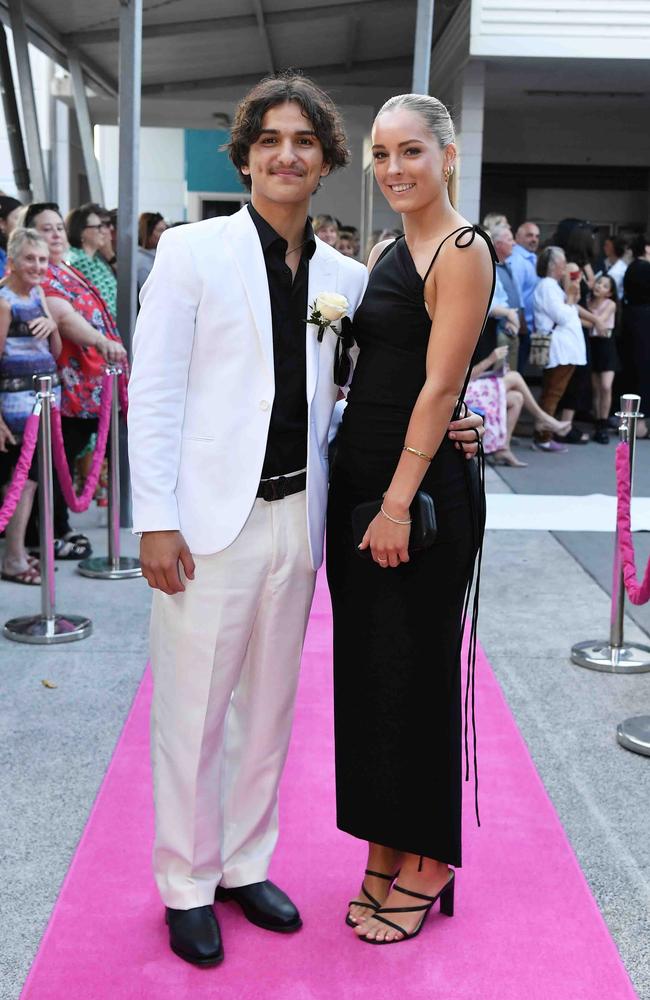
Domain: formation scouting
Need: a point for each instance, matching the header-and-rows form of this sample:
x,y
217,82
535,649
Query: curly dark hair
x,y
283,88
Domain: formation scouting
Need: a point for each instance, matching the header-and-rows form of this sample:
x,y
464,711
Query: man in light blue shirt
x,y
524,267
503,244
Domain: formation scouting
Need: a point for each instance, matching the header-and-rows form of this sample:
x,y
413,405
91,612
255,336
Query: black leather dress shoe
x,y
264,905
194,935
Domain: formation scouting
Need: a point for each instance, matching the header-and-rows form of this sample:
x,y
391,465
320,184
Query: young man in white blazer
x,y
231,397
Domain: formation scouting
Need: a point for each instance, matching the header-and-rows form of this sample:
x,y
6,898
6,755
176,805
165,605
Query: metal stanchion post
x,y
617,656
48,627
634,734
115,566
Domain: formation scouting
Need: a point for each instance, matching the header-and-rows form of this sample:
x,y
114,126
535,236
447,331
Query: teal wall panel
x,y
206,167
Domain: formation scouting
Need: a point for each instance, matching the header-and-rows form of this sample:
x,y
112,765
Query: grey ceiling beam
x,y
48,40
85,127
12,123
27,100
243,79
264,35
235,22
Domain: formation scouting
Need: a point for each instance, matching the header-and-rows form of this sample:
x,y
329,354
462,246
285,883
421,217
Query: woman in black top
x,y
636,326
397,618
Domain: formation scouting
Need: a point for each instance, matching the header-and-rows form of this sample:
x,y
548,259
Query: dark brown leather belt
x,y
283,486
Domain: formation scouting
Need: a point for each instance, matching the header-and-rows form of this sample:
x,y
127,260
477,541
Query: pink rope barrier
x,y
639,593
77,504
19,478
124,395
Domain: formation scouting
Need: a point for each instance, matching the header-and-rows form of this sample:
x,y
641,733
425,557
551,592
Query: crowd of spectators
x,y
58,299
585,309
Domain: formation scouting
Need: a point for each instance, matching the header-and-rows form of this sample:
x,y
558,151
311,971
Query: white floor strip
x,y
528,512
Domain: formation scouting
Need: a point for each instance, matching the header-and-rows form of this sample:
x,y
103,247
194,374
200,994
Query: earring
x,y
447,172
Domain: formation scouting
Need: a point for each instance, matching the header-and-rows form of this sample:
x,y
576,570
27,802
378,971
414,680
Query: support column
x,y
12,121
26,84
130,83
422,49
471,101
85,127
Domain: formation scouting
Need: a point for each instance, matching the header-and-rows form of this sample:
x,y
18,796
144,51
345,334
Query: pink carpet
x,y
526,925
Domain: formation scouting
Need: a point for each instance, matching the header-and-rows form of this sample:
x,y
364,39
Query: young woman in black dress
x,y
397,619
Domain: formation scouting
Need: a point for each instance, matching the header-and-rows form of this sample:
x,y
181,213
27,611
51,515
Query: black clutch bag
x,y
423,523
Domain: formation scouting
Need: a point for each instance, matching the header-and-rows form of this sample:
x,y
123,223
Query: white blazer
x,y
202,383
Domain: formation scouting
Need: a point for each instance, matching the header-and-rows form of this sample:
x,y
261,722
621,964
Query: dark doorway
x,y
214,209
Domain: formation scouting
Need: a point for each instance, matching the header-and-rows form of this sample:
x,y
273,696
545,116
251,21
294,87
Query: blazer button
x,y
264,404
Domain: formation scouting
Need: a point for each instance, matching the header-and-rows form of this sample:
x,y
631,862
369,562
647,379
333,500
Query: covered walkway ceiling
x,y
198,56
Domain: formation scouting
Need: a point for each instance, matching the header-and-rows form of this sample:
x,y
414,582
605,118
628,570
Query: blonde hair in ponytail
x,y
438,121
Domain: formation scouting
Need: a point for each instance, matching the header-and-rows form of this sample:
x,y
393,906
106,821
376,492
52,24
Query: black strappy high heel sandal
x,y
373,903
446,897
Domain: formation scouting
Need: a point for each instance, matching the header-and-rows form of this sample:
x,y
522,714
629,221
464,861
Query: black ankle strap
x,y
421,895
388,878
416,895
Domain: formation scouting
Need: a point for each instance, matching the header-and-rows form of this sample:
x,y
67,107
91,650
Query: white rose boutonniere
x,y
329,307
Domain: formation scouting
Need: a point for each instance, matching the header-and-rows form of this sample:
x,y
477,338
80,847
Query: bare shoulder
x,y
465,259
377,251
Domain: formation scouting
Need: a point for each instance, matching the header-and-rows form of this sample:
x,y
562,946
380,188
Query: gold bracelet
x,y
393,519
414,451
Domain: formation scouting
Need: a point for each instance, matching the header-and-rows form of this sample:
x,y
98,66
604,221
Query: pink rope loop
x,y
77,504
124,394
639,593
19,478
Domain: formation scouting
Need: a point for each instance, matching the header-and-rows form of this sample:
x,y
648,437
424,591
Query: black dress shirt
x,y
286,446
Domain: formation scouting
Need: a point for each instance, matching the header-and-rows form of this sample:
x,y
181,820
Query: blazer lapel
x,y
245,247
322,278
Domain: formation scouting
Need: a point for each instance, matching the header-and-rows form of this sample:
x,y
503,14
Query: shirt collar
x,y
268,236
523,252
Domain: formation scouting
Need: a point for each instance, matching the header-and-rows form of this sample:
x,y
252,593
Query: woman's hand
x,y
600,327
111,350
499,354
572,290
388,542
42,327
6,437
512,322
464,432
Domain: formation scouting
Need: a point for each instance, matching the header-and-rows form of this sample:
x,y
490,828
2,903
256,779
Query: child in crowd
x,y
29,345
326,228
602,303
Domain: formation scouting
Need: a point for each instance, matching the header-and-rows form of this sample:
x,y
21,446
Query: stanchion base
x,y
102,568
634,734
48,631
595,654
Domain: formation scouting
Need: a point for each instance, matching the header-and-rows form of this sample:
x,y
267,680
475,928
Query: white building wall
x,y
471,102
162,169
572,29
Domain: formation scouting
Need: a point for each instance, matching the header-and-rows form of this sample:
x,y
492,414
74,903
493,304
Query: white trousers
x,y
225,656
